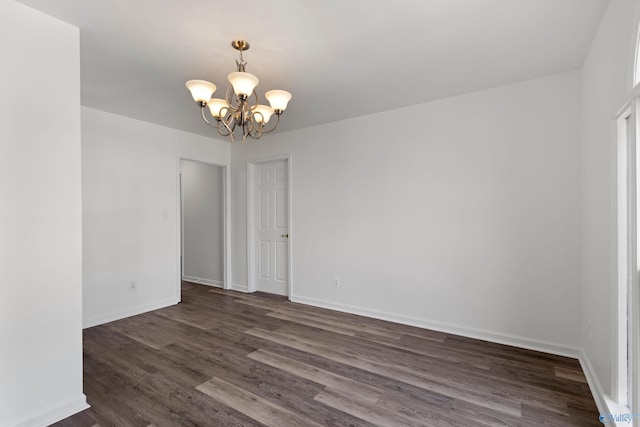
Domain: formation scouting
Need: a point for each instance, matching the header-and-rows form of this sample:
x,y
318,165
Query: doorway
x,y
202,223
269,226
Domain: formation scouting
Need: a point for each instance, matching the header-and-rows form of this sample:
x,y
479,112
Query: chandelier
x,y
236,114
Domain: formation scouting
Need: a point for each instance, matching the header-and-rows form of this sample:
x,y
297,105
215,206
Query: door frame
x,y
226,245
626,378
251,221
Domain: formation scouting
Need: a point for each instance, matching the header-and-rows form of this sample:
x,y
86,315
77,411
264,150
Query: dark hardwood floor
x,y
222,358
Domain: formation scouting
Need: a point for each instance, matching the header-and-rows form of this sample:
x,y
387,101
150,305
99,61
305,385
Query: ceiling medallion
x,y
236,114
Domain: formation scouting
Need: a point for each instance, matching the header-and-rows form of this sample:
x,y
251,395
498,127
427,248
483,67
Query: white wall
x,y
605,86
461,214
40,219
203,222
130,212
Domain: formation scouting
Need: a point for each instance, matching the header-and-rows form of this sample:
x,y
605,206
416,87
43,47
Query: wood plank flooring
x,y
222,358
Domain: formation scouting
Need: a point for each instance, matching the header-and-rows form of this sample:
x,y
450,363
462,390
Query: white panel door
x,y
272,246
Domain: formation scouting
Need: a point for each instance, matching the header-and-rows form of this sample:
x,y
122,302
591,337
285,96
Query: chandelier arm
x,y
227,98
254,131
255,94
221,128
274,126
217,125
226,126
231,122
255,124
257,135
204,117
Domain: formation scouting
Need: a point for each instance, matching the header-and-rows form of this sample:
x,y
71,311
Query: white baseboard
x,y
606,405
52,414
594,384
201,281
128,312
496,337
239,288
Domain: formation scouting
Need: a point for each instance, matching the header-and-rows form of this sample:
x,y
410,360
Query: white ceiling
x,y
339,58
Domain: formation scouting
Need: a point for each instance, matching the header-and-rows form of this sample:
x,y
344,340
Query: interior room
x,y
454,173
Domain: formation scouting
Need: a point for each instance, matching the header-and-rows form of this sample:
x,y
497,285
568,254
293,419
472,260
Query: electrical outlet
x,y
336,281
133,285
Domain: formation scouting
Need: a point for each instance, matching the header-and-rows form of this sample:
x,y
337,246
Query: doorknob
x,y
285,235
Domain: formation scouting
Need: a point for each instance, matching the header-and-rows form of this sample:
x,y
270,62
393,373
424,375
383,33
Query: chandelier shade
x,y
201,90
218,107
235,115
243,83
278,99
262,113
